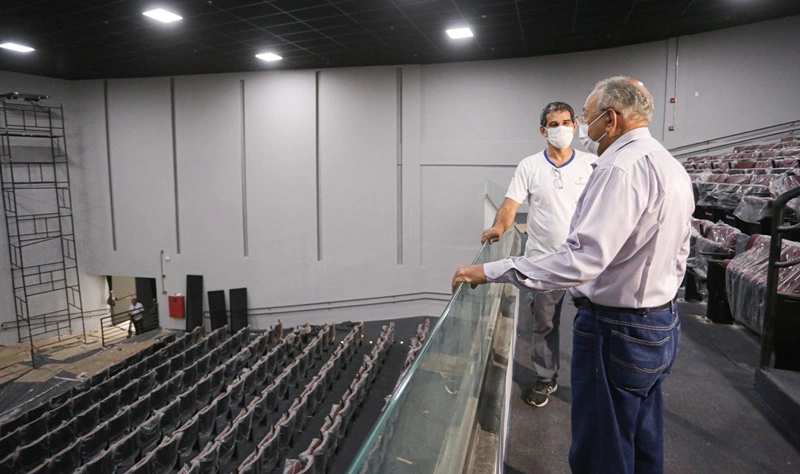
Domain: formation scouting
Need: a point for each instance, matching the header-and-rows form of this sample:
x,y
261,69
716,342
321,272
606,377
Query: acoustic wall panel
x,y
216,308
194,301
238,309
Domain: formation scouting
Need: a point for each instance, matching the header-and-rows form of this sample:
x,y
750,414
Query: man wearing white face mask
x,y
551,181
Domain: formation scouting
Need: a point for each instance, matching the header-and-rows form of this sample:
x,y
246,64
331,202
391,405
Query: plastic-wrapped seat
x,y
144,466
204,390
227,445
237,397
33,430
57,416
98,378
94,441
190,375
189,356
103,463
244,430
87,420
206,423
249,380
139,410
202,365
159,396
252,464
108,407
259,408
103,390
165,456
148,381
231,369
81,402
121,379
176,363
9,443
163,372
189,437
208,458
31,455
286,428
148,434
188,405
175,385
66,460
223,402
129,393
268,450
119,424
171,416
217,381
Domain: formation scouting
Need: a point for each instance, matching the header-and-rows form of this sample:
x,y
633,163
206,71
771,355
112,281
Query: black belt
x,y
584,303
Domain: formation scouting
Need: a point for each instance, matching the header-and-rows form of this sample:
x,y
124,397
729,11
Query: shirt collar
x,y
635,134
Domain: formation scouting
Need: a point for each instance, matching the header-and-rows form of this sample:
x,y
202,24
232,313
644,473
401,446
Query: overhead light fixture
x,y
268,57
162,15
458,33
17,47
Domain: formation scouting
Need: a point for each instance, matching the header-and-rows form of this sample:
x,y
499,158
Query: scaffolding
x,y
34,172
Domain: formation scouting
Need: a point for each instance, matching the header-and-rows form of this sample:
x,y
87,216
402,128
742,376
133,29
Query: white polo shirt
x,y
552,194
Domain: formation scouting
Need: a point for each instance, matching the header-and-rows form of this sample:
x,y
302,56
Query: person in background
x,y
624,261
136,312
551,182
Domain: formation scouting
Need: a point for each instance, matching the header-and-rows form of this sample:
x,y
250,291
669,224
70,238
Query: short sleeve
x,y
520,183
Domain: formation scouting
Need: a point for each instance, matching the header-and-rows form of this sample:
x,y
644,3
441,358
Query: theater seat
x,y
165,456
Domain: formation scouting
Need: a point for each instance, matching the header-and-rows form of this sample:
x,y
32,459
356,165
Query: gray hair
x,y
626,96
555,107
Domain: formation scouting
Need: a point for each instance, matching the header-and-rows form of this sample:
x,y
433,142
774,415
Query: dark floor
x,y
714,422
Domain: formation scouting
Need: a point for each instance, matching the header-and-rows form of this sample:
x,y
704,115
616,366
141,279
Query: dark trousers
x,y
138,325
619,361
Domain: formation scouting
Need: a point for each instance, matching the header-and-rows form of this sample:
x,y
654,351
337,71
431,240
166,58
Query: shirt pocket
x,y
638,358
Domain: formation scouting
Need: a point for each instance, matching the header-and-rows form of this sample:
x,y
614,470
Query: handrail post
x,y
775,244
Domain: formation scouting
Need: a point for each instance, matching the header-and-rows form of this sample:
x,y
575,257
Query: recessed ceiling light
x,y
17,47
459,33
268,57
162,15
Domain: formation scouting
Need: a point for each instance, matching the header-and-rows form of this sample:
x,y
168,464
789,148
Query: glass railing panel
x,y
428,422
495,193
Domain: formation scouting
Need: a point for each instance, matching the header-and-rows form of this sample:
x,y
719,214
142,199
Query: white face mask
x,y
560,137
586,141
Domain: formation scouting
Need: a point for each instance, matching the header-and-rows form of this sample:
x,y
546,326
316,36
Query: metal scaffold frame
x,y
38,215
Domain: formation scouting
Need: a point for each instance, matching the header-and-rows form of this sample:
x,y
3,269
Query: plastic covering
x,y
202,365
103,463
141,409
188,404
172,416
148,381
81,402
31,455
204,390
217,380
175,385
227,445
176,363
66,460
268,451
109,406
244,429
189,375
753,209
719,238
119,424
94,442
163,372
746,280
189,436
149,433
223,402
87,420
783,184
144,466
206,422
252,465
165,457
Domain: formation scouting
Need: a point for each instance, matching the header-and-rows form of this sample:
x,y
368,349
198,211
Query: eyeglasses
x,y
557,181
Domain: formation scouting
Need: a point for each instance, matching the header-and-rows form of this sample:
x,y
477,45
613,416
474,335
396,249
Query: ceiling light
x,y
162,15
17,47
459,33
268,57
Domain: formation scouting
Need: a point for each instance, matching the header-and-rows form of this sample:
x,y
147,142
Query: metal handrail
x,y
775,246
768,132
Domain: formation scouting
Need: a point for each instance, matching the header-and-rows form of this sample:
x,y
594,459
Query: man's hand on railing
x,y
471,274
492,234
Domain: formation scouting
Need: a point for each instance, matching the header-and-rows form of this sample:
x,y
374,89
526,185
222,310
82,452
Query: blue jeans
x,y
619,361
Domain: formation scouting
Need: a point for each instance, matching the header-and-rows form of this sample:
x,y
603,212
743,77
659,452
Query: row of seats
x,y
257,420
172,450
787,147
74,416
730,268
153,403
315,459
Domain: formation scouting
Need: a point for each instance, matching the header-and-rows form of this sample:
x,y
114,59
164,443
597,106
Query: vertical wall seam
x,y
244,173
318,178
399,166
108,159
175,164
